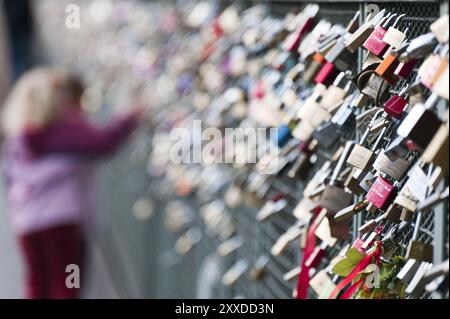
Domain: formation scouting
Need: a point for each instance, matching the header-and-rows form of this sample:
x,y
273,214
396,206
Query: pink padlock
x,y
327,74
380,194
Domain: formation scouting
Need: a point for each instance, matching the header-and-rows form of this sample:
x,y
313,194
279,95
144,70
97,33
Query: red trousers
x,y
47,254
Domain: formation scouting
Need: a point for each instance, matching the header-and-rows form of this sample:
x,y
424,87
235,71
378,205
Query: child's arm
x,y
82,138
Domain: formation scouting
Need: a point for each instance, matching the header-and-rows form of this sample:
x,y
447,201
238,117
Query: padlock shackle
x,y
379,138
339,79
403,90
377,18
387,23
383,20
342,159
352,22
394,25
372,120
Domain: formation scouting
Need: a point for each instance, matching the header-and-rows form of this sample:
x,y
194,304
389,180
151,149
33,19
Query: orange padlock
x,y
387,68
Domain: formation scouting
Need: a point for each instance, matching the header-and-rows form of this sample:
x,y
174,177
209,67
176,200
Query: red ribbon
x,y
348,294
354,273
303,277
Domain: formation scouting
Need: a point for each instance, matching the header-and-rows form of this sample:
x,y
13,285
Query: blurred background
x,y
153,239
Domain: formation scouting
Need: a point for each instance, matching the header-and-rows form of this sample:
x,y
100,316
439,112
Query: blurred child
x,y
48,151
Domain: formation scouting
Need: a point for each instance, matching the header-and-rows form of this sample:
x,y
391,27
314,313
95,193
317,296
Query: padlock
x,y
361,157
344,118
328,43
327,134
436,278
387,68
414,190
416,249
306,24
381,193
404,69
286,238
303,131
393,213
312,40
375,43
407,215
305,150
313,68
393,36
339,230
341,57
334,197
335,94
353,180
367,180
371,224
396,149
322,284
396,104
417,283
348,212
327,74
437,151
357,38
440,29
312,113
293,74
236,271
370,61
421,123
352,26
433,66
375,87
393,168
283,135
419,47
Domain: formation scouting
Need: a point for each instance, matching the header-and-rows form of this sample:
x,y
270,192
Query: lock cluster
x,y
358,167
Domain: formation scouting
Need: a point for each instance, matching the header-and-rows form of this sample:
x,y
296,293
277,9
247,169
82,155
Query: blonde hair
x,y
33,101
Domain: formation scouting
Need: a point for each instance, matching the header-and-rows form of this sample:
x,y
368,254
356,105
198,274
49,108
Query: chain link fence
x,y
149,261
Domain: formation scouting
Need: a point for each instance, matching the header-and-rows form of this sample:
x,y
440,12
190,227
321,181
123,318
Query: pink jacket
x,y
50,174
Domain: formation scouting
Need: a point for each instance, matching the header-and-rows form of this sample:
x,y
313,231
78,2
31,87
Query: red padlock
x,y
396,104
404,69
